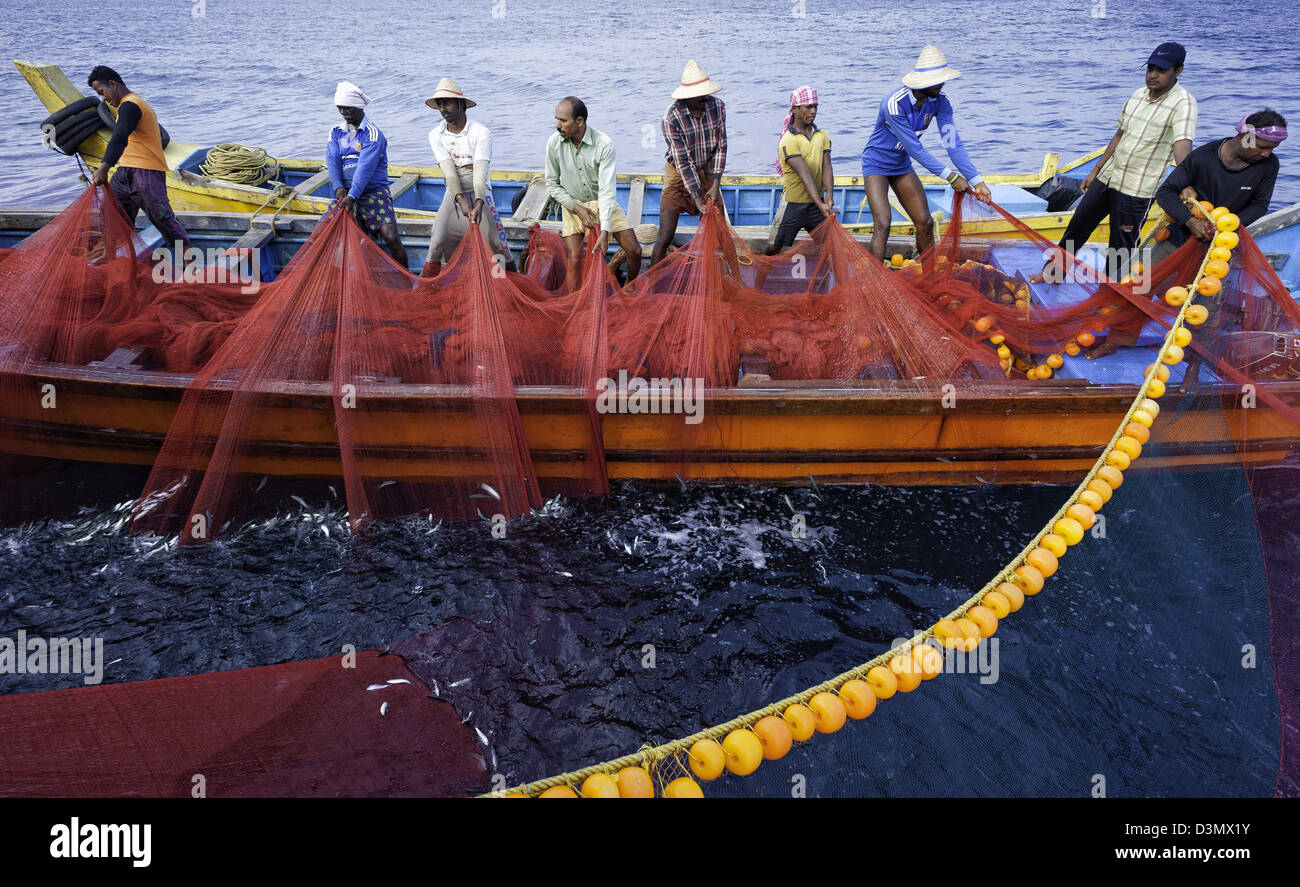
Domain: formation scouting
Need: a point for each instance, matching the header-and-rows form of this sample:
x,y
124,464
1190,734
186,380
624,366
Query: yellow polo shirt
x,y
812,149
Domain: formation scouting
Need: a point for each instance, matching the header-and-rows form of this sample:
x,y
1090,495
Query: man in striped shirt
x,y
1157,122
896,141
695,128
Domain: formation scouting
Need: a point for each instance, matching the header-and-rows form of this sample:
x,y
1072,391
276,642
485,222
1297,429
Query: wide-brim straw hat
x,y
931,69
447,89
695,83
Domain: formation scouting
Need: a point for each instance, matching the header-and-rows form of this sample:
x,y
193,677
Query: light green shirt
x,y
1141,158
582,173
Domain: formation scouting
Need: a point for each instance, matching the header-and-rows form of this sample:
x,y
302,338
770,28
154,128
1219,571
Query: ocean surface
x,y
1037,75
1129,666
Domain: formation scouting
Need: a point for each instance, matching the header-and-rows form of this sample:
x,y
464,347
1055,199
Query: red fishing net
x,y
302,729
478,393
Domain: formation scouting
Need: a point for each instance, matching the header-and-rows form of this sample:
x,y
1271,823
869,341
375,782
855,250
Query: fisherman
x,y
695,129
1237,173
1157,122
357,158
463,149
580,177
896,142
804,161
136,149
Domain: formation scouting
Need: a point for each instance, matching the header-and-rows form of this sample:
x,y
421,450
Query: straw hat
x,y
695,83
931,69
447,89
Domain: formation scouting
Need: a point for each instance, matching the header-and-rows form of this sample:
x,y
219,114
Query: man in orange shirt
x,y
136,149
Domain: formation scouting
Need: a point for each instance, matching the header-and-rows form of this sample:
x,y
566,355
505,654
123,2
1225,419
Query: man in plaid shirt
x,y
1157,122
695,128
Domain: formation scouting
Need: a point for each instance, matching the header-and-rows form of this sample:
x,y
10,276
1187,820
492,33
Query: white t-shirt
x,y
472,143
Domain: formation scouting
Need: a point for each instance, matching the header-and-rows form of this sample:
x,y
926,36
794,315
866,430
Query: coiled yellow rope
x,y
650,756
239,164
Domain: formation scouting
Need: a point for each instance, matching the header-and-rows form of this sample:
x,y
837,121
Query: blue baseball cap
x,y
1168,55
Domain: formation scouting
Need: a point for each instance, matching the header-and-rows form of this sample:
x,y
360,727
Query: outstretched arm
x,y
128,118
958,154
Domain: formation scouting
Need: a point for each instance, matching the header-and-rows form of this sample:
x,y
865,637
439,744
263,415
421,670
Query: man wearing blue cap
x,y
1158,122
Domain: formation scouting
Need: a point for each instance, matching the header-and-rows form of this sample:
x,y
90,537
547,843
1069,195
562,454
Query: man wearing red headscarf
x,y
1237,173
804,161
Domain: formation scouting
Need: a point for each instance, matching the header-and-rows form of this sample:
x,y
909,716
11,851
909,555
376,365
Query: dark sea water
x,y
1129,666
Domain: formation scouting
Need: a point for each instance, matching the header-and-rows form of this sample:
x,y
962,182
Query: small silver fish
x,y
492,492
262,484
436,691
680,481
465,720
333,493
377,687
387,483
398,681
383,710
481,738
458,683
563,573
326,530
789,503
300,501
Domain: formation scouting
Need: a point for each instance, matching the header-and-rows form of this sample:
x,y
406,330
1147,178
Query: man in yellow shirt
x,y
136,149
804,160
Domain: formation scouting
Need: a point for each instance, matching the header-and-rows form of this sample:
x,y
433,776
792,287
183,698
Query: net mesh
x,y
479,393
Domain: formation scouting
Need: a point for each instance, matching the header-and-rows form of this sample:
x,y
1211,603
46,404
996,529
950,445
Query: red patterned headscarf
x,y
804,95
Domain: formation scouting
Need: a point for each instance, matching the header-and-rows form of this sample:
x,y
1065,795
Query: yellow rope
x,y
650,755
239,164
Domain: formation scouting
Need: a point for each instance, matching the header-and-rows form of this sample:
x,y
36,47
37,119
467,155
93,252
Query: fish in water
x,y
383,710
495,495
460,682
300,501
377,687
398,681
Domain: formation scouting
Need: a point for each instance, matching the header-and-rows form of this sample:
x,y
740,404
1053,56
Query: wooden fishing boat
x,y
898,432
752,201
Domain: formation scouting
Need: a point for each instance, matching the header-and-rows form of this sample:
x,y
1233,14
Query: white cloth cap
x,y
349,95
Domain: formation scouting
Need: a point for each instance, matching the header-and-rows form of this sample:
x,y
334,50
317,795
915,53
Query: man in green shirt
x,y
1157,123
580,177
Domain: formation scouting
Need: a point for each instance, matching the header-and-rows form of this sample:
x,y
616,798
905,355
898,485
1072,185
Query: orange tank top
x,y
144,146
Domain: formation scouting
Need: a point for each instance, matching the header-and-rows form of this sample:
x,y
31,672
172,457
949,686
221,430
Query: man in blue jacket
x,y
896,142
357,158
